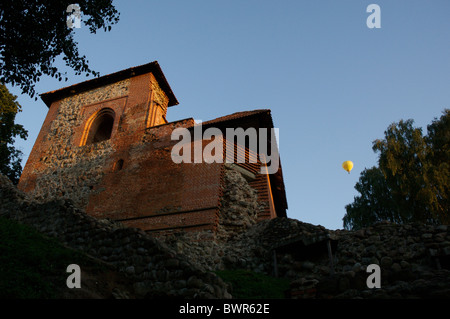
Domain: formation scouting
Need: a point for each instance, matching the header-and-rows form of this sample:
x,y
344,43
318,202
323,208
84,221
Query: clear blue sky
x,y
333,84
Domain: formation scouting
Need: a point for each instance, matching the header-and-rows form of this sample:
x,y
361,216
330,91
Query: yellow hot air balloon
x,y
347,165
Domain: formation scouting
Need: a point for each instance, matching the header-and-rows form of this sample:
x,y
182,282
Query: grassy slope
x,y
33,266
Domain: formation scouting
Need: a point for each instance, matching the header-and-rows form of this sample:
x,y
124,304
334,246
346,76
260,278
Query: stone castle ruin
x,y
101,179
106,145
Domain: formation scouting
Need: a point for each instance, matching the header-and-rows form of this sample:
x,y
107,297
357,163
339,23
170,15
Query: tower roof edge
x,y
153,67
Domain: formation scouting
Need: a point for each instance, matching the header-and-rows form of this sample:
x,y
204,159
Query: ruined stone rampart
x,y
414,259
156,269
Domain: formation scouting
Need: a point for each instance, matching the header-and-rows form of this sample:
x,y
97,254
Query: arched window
x,y
99,127
118,165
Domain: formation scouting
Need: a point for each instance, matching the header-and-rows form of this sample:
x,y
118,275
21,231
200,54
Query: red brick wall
x,y
150,190
147,190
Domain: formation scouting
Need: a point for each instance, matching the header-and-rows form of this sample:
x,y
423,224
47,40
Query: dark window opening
x,y
119,165
101,128
104,129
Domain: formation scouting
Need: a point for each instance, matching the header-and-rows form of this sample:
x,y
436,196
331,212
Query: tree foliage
x,y
412,180
33,33
10,157
438,158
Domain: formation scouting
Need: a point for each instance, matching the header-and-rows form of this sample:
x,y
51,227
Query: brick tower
x,y
106,145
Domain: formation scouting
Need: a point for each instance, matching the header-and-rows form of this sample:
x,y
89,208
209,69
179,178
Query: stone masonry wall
x,y
64,169
76,175
238,215
239,207
156,269
414,259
